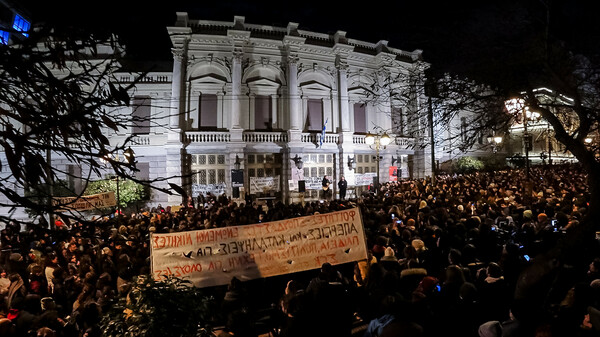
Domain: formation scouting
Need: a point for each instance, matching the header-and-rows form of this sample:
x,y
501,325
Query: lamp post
x,y
301,183
237,177
377,140
516,106
351,163
129,155
527,140
495,141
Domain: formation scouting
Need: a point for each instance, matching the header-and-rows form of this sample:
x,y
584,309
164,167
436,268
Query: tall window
x,y
208,111
141,115
262,113
360,118
4,37
315,115
143,172
397,121
21,25
463,129
74,178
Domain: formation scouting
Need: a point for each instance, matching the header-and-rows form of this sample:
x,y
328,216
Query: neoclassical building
x,y
254,109
266,112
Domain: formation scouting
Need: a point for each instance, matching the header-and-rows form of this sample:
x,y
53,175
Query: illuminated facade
x,y
250,100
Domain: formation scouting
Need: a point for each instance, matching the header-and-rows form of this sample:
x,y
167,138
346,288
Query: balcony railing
x,y
207,137
265,137
270,137
405,141
140,140
398,140
315,138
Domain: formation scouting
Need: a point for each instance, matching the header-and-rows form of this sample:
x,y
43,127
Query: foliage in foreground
x,y
468,165
172,307
130,192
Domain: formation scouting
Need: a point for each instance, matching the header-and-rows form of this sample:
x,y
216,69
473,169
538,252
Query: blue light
x,y
4,37
21,25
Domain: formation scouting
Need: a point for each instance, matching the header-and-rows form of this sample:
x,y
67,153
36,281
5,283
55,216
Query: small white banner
x,y
314,183
364,179
264,184
215,189
85,202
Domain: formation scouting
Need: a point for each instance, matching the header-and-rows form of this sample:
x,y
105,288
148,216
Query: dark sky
x,y
433,26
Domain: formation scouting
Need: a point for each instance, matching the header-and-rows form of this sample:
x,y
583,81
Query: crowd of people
x,y
461,255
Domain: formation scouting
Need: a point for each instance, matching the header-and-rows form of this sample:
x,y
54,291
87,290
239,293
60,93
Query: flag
x,y
323,133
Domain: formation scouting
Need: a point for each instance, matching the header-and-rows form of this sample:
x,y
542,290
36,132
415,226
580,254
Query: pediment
x,y
314,85
262,82
209,79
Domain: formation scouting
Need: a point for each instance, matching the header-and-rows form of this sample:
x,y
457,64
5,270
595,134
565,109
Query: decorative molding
x,y
238,54
178,54
210,40
316,51
341,64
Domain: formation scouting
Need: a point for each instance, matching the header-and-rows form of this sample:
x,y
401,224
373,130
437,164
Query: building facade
x,y
263,112
251,110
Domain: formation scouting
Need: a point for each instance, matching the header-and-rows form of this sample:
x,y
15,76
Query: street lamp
x,y
516,106
351,163
495,141
129,155
237,164
298,161
377,140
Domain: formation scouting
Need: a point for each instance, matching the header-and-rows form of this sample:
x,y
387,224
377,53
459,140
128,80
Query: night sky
x,y
438,28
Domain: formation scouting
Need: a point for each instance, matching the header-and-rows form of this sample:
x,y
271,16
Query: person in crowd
x,y
342,186
326,184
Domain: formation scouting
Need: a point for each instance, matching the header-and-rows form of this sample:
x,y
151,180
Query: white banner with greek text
x,y
364,179
204,189
264,184
212,257
85,202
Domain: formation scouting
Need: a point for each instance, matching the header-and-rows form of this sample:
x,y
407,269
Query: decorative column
x,y
346,145
236,95
293,93
236,89
343,92
239,38
274,112
174,163
176,88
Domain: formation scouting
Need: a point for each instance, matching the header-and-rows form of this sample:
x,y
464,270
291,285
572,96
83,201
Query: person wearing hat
x,y
378,251
542,222
527,217
4,282
16,290
49,316
389,261
490,329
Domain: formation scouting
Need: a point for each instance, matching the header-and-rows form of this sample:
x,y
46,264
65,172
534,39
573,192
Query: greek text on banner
x,y
212,257
84,203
